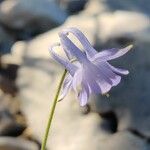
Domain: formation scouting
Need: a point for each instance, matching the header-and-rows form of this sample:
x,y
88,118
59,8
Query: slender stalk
x,y
52,112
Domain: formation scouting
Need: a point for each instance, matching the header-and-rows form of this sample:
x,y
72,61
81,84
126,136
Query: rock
x,y
8,143
107,23
8,86
95,7
12,122
6,41
8,125
33,14
8,74
130,28
123,141
16,55
115,5
72,6
136,6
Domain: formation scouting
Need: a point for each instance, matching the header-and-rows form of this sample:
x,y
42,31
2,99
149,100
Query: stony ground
x,y
29,76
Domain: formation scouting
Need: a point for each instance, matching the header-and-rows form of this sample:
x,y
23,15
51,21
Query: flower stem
x,y
52,112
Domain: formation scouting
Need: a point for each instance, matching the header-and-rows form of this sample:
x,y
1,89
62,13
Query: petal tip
x,y
129,47
127,72
82,103
52,46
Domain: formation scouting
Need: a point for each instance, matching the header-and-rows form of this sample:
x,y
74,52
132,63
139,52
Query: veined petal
x,y
67,52
90,76
104,55
111,54
71,48
94,86
121,52
67,85
90,51
104,86
103,78
69,66
77,80
118,70
100,77
107,72
83,97
81,87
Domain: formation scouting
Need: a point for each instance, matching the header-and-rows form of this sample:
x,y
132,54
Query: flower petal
x,y
111,54
83,97
77,81
103,79
90,51
104,86
69,66
118,70
90,76
67,85
100,77
107,72
81,87
71,48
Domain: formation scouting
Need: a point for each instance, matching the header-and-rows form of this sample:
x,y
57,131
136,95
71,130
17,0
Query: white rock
x,y
16,55
124,23
94,7
9,143
124,141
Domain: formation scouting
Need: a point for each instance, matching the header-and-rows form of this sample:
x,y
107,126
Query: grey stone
x,y
72,6
6,41
18,14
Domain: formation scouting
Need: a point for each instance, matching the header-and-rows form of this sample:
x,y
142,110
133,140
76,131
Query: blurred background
x,y
29,76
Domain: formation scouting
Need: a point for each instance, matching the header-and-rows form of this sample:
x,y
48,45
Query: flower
x,y
90,73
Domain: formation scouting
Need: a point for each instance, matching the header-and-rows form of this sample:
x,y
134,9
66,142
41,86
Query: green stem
x,y
52,112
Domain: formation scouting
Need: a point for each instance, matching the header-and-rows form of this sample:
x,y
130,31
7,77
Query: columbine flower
x,y
90,73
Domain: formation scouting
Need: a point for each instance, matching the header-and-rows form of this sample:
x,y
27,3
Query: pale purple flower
x,y
90,73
